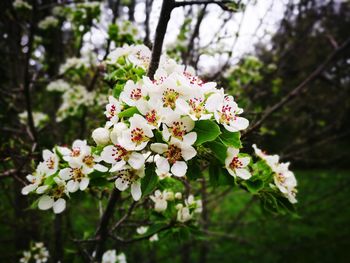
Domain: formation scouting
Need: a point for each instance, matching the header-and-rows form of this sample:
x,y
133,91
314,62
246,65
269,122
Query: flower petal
x,y
136,190
84,183
136,160
59,206
179,168
45,202
243,173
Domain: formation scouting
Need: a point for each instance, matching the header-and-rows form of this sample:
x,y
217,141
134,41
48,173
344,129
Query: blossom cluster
x,y
62,171
149,123
284,179
39,118
38,253
185,211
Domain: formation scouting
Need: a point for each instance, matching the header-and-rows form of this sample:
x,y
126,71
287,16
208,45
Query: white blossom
x,y
237,166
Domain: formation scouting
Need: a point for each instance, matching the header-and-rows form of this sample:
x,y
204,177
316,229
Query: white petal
x,y
163,164
47,154
190,138
59,206
100,168
136,160
188,153
45,202
42,189
179,168
240,123
84,183
244,160
243,173
28,188
107,154
118,166
159,147
121,184
136,190
65,173
72,186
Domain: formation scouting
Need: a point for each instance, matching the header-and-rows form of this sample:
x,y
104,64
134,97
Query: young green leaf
x,y
206,131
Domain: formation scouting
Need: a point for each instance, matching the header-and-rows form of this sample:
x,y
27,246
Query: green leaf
x,y
253,186
230,139
150,180
99,181
218,149
128,112
118,88
206,131
193,171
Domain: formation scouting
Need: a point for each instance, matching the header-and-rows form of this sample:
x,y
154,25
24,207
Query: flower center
x,y
152,117
128,175
136,94
77,174
197,106
119,153
58,192
50,163
169,98
138,136
193,79
173,154
112,110
226,115
235,163
75,152
178,130
280,178
89,160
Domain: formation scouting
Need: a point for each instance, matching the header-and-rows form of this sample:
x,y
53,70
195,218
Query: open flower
x,y
54,199
50,162
226,112
36,180
183,213
160,201
133,93
76,179
118,156
137,136
113,108
178,129
142,230
237,166
194,107
130,177
173,157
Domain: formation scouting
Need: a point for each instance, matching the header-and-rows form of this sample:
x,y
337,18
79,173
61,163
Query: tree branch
x,y
167,7
219,3
297,90
102,230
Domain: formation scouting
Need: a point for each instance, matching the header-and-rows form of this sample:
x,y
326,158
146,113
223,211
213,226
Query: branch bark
x,y
165,13
102,230
297,90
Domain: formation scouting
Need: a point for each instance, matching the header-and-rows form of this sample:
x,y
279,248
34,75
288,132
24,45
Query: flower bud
x,y
101,136
178,195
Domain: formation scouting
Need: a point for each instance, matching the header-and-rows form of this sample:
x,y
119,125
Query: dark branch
x,y
167,7
297,90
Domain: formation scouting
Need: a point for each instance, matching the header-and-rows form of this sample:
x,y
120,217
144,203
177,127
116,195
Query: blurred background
x,y
262,52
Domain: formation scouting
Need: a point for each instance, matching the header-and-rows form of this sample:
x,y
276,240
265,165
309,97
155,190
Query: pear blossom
x,y
237,166
101,136
154,238
110,256
76,179
54,199
178,195
194,107
284,179
48,22
113,108
20,4
119,157
226,111
130,177
142,230
137,136
178,129
36,180
39,118
191,202
133,93
160,201
38,252
183,213
173,157
50,162
58,85
80,157
153,112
